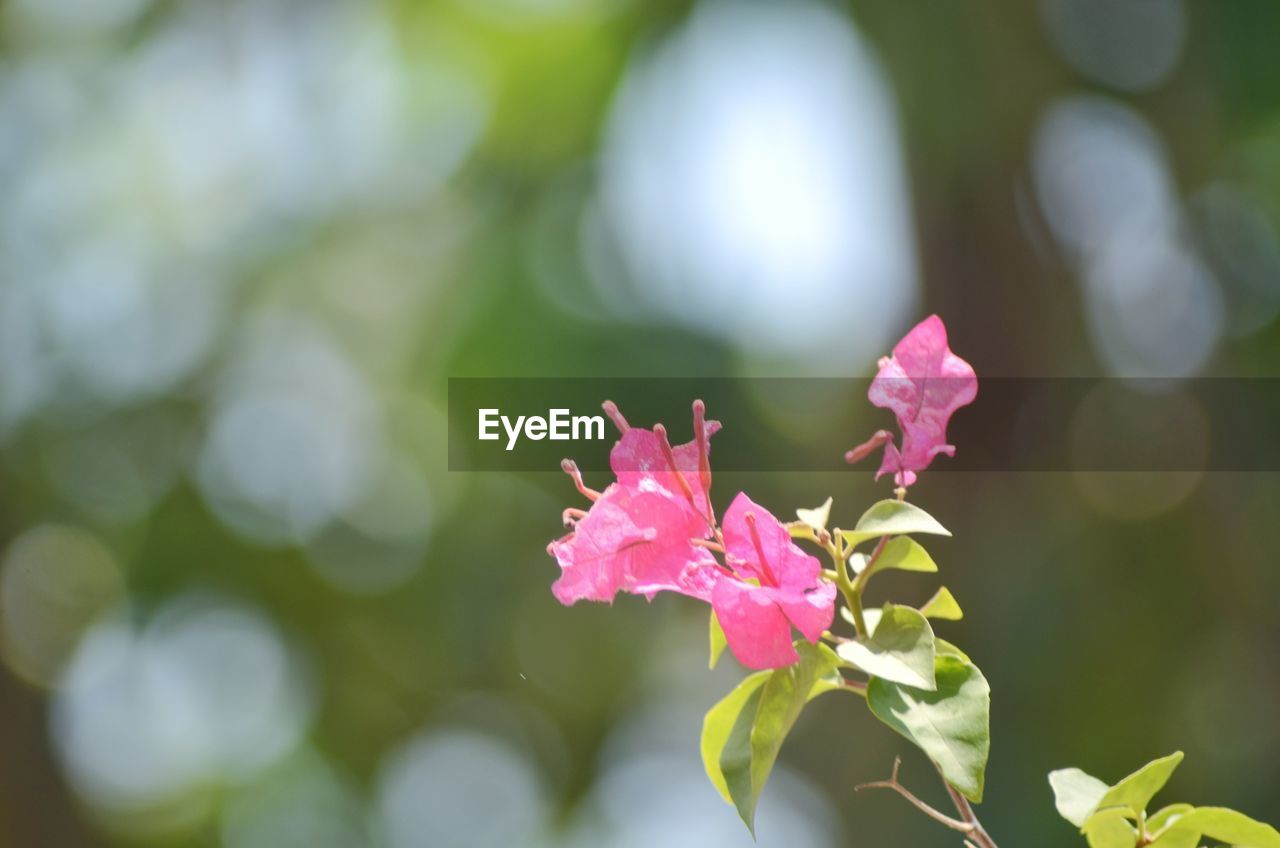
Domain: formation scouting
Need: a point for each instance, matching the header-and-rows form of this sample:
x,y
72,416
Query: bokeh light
x,y
460,788
56,581
752,160
207,692
245,602
1131,45
1153,308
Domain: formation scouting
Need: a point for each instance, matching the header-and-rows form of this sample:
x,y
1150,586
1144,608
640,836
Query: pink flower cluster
x,y
654,528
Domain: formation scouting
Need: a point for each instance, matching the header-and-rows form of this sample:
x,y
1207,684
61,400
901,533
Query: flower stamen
x,y
611,409
766,572
568,466
704,453
669,455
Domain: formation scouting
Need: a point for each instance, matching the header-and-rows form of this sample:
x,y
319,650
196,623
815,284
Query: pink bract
x,y
923,383
632,540
639,535
638,457
785,590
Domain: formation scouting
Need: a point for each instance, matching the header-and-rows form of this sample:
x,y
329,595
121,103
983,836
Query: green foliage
x,y
943,606
904,554
951,724
736,708
1076,794
741,735
1159,820
944,648
930,692
1225,826
816,518
899,648
1115,816
1110,829
892,518
1136,791
718,641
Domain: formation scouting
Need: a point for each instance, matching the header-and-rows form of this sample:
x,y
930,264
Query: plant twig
x,y
942,818
965,809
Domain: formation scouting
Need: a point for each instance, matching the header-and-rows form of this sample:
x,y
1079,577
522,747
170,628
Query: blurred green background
x,y
244,243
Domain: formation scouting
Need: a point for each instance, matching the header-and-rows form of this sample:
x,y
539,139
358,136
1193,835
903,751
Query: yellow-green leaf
x,y
1166,816
903,554
742,734
892,518
943,606
1110,829
718,641
1136,791
944,648
719,722
1227,826
1175,839
1076,794
816,518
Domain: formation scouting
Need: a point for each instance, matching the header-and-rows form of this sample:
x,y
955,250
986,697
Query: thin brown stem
x,y
940,817
965,809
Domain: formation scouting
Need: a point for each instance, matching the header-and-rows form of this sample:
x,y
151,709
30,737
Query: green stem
x,y
852,597
853,589
864,577
854,600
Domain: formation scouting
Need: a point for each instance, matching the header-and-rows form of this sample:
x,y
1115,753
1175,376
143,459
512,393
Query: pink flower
x,y
640,535
648,533
639,460
785,589
633,540
924,383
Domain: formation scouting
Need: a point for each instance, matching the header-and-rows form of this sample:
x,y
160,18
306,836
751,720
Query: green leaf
x,y
943,606
903,554
1227,826
1110,829
942,647
1079,796
1158,821
899,648
933,609
951,725
1076,794
742,734
1136,791
816,518
1175,839
871,617
892,518
718,641
719,723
